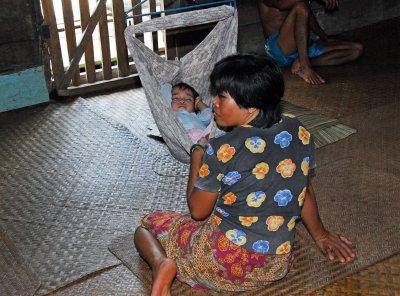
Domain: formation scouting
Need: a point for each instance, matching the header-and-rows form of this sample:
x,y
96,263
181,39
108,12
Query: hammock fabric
x,y
193,69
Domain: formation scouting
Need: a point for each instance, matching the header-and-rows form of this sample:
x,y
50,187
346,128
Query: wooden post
x,y
69,27
152,6
119,24
163,32
54,42
137,20
105,45
89,54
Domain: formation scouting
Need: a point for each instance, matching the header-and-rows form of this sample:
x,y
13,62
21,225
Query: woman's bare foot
x,y
163,276
306,73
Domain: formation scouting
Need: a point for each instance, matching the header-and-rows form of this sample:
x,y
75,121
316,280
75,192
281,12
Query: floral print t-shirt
x,y
261,175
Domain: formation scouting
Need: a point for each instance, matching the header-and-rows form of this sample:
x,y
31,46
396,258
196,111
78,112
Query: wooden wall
x,y
22,74
20,41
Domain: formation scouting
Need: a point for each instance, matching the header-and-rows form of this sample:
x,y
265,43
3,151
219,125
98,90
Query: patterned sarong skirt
x,y
206,259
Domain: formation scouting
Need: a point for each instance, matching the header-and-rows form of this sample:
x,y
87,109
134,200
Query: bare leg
x,y
338,52
293,37
163,268
335,53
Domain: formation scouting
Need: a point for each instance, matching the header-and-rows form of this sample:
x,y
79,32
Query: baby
x,y
192,112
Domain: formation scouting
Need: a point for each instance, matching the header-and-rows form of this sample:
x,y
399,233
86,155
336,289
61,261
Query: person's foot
x,y
306,73
163,276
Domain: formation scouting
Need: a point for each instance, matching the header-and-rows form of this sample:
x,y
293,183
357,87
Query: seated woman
x,y
188,106
246,192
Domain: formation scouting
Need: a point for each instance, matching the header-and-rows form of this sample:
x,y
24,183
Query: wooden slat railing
x,y
105,46
89,53
119,25
54,42
137,20
154,34
71,81
87,36
69,27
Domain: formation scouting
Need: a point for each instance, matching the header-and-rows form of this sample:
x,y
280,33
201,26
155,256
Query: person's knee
x,y
302,8
358,49
138,232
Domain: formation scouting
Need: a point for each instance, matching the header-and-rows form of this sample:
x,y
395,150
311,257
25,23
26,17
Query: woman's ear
x,y
252,110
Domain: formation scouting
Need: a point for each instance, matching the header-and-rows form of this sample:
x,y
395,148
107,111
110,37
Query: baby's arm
x,y
336,246
204,112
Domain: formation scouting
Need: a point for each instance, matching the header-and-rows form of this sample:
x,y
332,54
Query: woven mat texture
x,y
112,281
381,279
17,277
70,182
70,175
364,95
355,217
360,86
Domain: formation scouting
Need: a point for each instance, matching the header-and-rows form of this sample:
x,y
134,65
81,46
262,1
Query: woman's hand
x,y
336,247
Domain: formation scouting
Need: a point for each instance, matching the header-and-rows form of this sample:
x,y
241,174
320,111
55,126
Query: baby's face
x,y
182,99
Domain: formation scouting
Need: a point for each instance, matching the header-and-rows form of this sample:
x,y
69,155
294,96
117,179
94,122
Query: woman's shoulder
x,y
291,120
287,123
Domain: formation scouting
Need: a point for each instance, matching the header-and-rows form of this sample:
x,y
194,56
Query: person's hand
x,y
198,148
196,102
331,4
203,141
336,247
199,105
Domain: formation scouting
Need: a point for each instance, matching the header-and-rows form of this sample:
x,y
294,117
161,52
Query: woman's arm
x,y
201,203
336,246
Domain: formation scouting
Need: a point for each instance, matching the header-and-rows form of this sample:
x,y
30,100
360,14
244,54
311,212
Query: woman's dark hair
x,y
184,85
253,81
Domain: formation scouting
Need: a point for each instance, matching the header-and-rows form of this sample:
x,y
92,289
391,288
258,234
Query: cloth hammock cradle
x,y
194,68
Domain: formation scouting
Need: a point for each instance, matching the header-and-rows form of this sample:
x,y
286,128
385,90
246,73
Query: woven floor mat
x,y
377,139
363,207
381,279
130,109
326,130
17,277
368,83
70,182
112,281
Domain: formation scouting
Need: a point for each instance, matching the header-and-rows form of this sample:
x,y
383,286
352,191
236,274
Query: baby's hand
x,y
196,102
